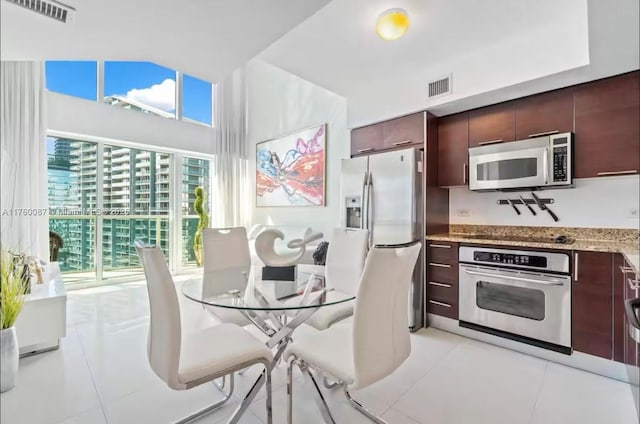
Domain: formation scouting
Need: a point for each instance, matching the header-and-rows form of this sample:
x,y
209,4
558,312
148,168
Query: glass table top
x,y
246,290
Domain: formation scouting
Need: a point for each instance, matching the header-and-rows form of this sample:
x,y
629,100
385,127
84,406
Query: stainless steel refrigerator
x,y
383,193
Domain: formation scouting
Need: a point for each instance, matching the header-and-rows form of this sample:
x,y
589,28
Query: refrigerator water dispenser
x,y
354,211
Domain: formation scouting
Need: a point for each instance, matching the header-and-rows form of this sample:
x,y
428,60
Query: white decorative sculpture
x,y
265,247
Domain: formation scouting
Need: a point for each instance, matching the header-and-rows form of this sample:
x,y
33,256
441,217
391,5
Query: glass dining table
x,y
276,308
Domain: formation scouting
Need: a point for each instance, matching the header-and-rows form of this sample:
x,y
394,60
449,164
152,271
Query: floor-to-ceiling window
x,y
103,197
72,201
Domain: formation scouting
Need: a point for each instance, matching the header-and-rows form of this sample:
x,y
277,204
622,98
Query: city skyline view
x,y
135,194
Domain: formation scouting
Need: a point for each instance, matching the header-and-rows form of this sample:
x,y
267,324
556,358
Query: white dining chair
x,y
343,267
359,353
184,361
226,263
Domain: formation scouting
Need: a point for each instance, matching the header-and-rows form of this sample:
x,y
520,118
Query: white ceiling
x,y
486,44
205,38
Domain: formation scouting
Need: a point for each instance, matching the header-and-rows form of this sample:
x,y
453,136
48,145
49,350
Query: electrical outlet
x,y
463,212
634,213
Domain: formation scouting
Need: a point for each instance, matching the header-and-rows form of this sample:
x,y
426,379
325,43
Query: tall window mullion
x,y
98,220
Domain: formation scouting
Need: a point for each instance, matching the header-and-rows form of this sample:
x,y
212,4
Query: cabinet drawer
x,y
443,308
441,274
445,291
442,252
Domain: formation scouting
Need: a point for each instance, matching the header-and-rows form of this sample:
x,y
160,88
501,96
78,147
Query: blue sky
x,y
146,82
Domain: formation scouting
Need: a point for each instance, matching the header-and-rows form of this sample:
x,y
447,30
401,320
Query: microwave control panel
x,y
561,158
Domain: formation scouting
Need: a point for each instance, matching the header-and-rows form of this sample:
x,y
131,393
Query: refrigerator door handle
x,y
370,208
363,211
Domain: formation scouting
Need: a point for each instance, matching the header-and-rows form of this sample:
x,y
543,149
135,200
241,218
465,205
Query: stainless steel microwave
x,y
541,162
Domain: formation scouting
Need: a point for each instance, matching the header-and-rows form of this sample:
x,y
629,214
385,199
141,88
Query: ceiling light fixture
x,y
392,24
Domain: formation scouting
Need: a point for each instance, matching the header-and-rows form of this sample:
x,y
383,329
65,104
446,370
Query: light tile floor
x,y
100,375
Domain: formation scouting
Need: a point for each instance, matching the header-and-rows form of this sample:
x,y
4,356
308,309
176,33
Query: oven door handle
x,y
509,277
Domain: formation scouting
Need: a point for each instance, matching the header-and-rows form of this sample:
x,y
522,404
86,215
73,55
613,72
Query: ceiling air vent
x,y
440,87
49,8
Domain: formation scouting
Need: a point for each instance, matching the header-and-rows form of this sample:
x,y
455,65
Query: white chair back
x,y
345,259
226,258
381,340
163,343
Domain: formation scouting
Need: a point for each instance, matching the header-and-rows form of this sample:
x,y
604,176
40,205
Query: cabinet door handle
x,y
440,246
433,283
435,302
400,143
464,173
368,149
439,265
630,171
575,267
482,143
540,134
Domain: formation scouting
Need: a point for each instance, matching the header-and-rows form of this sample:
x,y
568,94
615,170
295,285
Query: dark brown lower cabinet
x,y
592,304
442,279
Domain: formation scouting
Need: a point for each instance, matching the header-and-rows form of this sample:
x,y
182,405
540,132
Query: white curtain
x,y
23,192
231,191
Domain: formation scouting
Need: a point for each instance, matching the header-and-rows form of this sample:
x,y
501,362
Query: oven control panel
x,y
510,259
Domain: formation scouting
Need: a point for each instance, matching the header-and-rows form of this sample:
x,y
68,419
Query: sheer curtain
x,y
231,190
23,197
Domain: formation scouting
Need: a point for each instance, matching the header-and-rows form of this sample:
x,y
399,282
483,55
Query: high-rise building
x,y
135,205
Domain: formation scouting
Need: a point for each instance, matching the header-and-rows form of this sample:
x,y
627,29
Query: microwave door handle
x,y
509,277
370,222
545,166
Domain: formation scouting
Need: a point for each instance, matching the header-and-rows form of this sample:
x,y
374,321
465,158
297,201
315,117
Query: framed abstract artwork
x,y
290,169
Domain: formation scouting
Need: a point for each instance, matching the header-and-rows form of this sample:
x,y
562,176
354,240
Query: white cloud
x,y
161,96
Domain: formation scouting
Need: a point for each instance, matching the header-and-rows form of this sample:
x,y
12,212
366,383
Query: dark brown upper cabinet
x,y
366,139
592,304
492,124
544,113
453,150
607,134
404,131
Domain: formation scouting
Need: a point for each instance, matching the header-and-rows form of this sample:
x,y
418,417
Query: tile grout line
x,y
535,404
93,380
425,375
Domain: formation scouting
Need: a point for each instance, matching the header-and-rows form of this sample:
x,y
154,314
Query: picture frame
x,y
291,169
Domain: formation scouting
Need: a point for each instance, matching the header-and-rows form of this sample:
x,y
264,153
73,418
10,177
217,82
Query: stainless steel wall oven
x,y
523,295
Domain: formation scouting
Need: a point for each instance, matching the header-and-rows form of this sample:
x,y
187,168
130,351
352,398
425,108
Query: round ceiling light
x,y
392,24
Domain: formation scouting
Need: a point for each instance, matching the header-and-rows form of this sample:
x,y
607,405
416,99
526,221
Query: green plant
x,y
11,291
203,222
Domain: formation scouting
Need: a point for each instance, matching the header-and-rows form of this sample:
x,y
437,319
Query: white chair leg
x,y
211,408
364,411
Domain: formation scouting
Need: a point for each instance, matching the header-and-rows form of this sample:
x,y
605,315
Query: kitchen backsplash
x,y
610,202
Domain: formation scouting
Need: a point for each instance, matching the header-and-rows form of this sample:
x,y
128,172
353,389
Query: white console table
x,y
43,319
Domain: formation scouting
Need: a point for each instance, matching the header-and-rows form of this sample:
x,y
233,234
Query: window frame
x,y
179,78
174,215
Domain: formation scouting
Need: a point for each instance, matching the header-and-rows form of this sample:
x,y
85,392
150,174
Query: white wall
x,y
83,117
594,202
280,103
